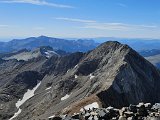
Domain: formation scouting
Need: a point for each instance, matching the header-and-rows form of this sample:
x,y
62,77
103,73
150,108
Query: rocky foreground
x,y
133,112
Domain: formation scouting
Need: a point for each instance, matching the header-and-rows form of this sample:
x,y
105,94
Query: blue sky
x,y
80,18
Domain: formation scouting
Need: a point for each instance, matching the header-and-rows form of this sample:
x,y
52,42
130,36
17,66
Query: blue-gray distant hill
x,y
56,43
144,46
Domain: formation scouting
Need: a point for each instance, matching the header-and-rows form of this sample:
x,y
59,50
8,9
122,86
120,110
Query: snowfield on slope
x,y
91,76
75,76
48,88
90,106
65,97
26,96
51,117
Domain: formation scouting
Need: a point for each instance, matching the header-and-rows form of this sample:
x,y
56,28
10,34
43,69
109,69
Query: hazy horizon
x,y
94,38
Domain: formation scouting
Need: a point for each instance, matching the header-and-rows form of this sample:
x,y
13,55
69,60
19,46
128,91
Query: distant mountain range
x,y
147,53
56,43
152,55
75,45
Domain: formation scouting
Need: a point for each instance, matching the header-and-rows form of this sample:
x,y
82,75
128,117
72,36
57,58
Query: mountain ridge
x,y
56,43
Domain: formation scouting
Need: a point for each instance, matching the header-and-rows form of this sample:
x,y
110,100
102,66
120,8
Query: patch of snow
x,y
26,96
47,56
50,51
51,116
75,113
68,70
48,88
16,114
110,108
75,76
47,53
65,97
63,116
91,76
48,92
90,106
76,66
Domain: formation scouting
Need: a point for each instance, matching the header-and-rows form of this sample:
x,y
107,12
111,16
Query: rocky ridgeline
x,y
133,112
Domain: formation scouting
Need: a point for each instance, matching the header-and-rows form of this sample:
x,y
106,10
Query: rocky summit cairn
x,y
141,111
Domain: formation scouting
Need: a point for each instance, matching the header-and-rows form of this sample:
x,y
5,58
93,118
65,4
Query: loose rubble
x,y
141,111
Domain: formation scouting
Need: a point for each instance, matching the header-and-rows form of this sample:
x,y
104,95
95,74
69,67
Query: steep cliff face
x,y
112,74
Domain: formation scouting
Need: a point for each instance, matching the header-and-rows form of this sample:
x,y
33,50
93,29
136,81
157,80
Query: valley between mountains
x,y
42,83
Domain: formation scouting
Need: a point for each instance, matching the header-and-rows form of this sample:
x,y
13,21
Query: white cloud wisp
x,y
38,2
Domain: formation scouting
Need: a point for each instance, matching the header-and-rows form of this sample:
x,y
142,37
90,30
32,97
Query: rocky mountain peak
x,y
107,54
110,47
